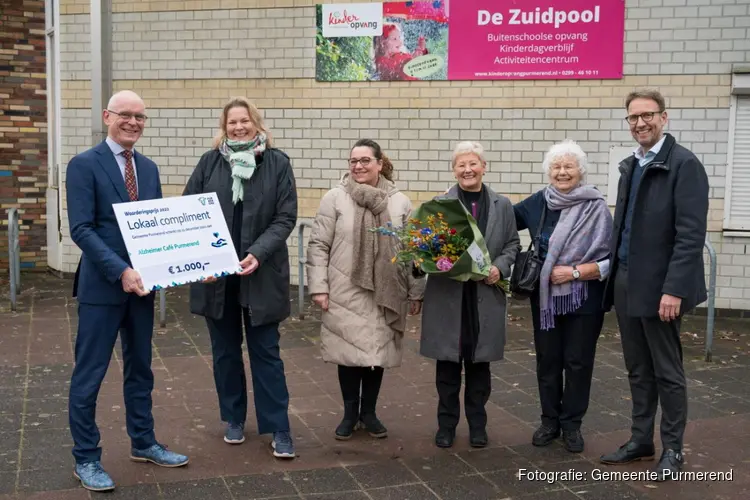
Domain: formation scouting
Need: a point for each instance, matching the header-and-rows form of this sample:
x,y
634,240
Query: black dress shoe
x,y
544,435
478,438
629,452
670,463
573,441
444,438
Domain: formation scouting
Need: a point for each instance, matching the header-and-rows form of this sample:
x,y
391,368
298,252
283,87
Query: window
x,y
737,189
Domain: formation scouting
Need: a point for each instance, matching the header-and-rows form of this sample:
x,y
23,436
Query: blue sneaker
x,y
282,445
234,434
159,455
93,477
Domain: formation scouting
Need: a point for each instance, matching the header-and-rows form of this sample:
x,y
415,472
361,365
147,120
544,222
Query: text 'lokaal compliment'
x,y
168,221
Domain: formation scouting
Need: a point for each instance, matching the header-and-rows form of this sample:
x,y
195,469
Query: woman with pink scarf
x,y
571,226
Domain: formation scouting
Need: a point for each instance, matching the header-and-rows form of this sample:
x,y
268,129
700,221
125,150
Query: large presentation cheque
x,y
173,241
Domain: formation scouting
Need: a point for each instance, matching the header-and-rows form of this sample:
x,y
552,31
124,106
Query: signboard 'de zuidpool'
x,y
471,40
537,39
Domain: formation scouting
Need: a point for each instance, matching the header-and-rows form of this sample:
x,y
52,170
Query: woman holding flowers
x,y
567,302
463,323
255,186
363,295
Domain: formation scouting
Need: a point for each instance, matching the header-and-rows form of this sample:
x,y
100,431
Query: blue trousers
x,y
269,382
98,326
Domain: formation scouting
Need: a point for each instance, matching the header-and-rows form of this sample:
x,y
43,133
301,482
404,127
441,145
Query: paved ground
x,y
36,345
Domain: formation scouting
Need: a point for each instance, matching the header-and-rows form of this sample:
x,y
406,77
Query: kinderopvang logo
x,y
348,20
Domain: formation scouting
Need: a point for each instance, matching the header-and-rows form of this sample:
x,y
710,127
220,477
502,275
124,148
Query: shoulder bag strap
x,y
535,242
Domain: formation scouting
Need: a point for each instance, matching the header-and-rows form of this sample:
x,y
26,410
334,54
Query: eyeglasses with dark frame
x,y
365,160
646,117
127,116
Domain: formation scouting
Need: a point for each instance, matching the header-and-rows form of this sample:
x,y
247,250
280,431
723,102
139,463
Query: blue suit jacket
x,y
93,184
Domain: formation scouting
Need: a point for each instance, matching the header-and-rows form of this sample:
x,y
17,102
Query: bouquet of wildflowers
x,y
442,238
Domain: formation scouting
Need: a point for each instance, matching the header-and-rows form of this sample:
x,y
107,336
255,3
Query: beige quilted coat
x,y
354,331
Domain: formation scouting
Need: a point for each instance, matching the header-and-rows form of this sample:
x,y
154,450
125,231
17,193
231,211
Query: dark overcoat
x,y
667,234
441,310
269,214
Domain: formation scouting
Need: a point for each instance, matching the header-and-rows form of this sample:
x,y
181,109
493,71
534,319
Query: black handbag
x,y
525,276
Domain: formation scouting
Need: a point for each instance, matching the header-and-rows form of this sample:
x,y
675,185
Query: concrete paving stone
x,y
73,494
261,486
464,487
379,475
734,388
348,495
7,482
9,461
605,421
492,459
438,467
525,381
513,397
47,457
410,492
507,367
530,414
10,422
60,478
543,455
134,492
512,485
34,407
610,490
9,441
53,391
700,411
214,488
728,406
176,351
331,480
47,438
553,495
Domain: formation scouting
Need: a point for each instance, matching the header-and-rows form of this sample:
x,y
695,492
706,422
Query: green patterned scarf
x,y
241,157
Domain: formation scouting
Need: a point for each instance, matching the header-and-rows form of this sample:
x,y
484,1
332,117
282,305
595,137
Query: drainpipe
x,y
101,66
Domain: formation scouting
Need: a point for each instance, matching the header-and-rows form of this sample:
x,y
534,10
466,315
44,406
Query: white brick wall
x,y
75,47
515,140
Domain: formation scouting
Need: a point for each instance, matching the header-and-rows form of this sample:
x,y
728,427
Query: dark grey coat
x,y
441,310
667,232
269,214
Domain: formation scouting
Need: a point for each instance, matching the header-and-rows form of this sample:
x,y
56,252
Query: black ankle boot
x,y
371,381
349,424
350,379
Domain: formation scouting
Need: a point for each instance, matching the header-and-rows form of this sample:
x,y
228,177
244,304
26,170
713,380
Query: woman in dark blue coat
x,y
255,185
567,305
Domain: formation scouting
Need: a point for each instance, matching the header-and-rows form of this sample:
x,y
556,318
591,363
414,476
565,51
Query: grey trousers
x,y
653,357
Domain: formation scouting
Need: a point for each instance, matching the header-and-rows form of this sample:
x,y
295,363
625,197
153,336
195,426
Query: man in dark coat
x,y
658,276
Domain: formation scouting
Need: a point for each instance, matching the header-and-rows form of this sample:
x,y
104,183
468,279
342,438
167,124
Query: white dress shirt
x,y
117,151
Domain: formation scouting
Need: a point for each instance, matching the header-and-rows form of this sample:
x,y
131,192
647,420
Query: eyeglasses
x,y
646,117
128,116
364,161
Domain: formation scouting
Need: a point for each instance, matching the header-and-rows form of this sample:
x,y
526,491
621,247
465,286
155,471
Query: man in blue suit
x,y
111,297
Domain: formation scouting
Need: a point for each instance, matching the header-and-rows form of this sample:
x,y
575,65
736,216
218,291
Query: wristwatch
x,y
576,273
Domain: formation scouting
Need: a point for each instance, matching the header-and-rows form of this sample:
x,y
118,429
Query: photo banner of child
x,y
413,46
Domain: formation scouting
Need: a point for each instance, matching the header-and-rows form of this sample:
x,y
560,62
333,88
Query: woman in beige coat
x,y
363,295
